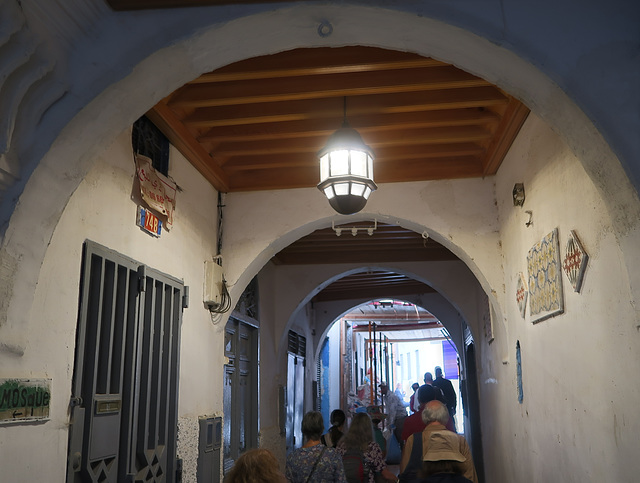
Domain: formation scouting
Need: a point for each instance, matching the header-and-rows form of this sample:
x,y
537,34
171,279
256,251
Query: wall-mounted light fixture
x,y
518,194
346,169
354,230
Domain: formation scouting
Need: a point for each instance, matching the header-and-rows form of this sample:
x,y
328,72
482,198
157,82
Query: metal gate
x,y
125,386
296,362
240,397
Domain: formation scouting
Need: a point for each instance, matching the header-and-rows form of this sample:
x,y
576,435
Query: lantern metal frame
x,y
346,170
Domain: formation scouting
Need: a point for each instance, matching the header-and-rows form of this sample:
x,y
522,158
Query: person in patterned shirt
x,y
314,462
359,440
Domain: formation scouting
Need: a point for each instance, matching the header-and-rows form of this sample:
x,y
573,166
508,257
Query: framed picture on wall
x,y
545,279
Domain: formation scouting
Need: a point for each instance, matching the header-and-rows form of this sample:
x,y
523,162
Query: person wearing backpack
x,y
331,438
361,455
435,415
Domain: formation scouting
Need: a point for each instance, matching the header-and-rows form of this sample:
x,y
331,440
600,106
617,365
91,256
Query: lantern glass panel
x,y
324,167
359,163
328,192
357,189
339,162
367,192
370,166
341,189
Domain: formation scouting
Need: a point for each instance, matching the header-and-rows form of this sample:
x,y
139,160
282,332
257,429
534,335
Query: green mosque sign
x,y
24,399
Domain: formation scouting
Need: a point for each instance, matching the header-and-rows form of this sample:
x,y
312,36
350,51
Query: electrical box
x,y
212,284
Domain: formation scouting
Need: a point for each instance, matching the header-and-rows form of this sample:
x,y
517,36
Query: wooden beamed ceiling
x,y
258,124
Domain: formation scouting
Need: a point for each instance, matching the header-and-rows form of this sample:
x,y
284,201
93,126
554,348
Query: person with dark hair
x,y
414,405
428,380
435,415
314,462
359,449
451,400
256,466
331,438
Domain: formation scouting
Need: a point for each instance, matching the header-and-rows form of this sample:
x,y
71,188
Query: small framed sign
x,y
24,400
148,222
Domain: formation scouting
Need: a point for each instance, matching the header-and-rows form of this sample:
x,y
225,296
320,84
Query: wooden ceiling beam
x,y
364,123
332,108
307,175
285,89
297,177
409,137
513,119
404,153
331,63
182,139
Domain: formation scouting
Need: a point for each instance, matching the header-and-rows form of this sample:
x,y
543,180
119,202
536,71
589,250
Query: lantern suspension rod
x,y
345,123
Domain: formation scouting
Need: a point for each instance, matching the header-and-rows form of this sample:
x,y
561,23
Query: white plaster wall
x,y
273,371
101,100
578,421
94,98
460,214
101,209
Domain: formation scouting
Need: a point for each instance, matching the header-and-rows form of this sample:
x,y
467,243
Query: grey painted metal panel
x,y
209,445
240,393
125,385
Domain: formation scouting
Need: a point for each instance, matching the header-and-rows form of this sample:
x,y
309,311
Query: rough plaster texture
x,y
578,412
566,418
569,428
187,448
174,47
102,210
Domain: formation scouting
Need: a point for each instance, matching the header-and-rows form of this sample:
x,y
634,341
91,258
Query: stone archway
x,y
120,98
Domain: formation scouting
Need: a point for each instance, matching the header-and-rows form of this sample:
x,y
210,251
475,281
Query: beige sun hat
x,y
443,445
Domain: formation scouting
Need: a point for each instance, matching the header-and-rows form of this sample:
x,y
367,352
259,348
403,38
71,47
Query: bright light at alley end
x,y
346,171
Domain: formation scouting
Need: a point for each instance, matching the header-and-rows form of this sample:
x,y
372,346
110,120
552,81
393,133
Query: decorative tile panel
x,y
521,294
545,279
575,261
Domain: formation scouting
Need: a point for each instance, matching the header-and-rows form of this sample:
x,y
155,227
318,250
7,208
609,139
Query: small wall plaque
x,y
521,294
24,400
148,222
575,261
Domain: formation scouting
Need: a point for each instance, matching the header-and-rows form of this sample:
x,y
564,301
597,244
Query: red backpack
x,y
355,468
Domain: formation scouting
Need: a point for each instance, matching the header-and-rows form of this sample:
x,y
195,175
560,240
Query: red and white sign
x,y
158,191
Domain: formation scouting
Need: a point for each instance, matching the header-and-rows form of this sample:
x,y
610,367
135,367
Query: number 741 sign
x,y
148,221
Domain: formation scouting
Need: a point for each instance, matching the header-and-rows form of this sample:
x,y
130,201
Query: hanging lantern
x,y
346,170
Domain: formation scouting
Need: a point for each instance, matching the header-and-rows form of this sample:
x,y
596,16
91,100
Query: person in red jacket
x,y
414,423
